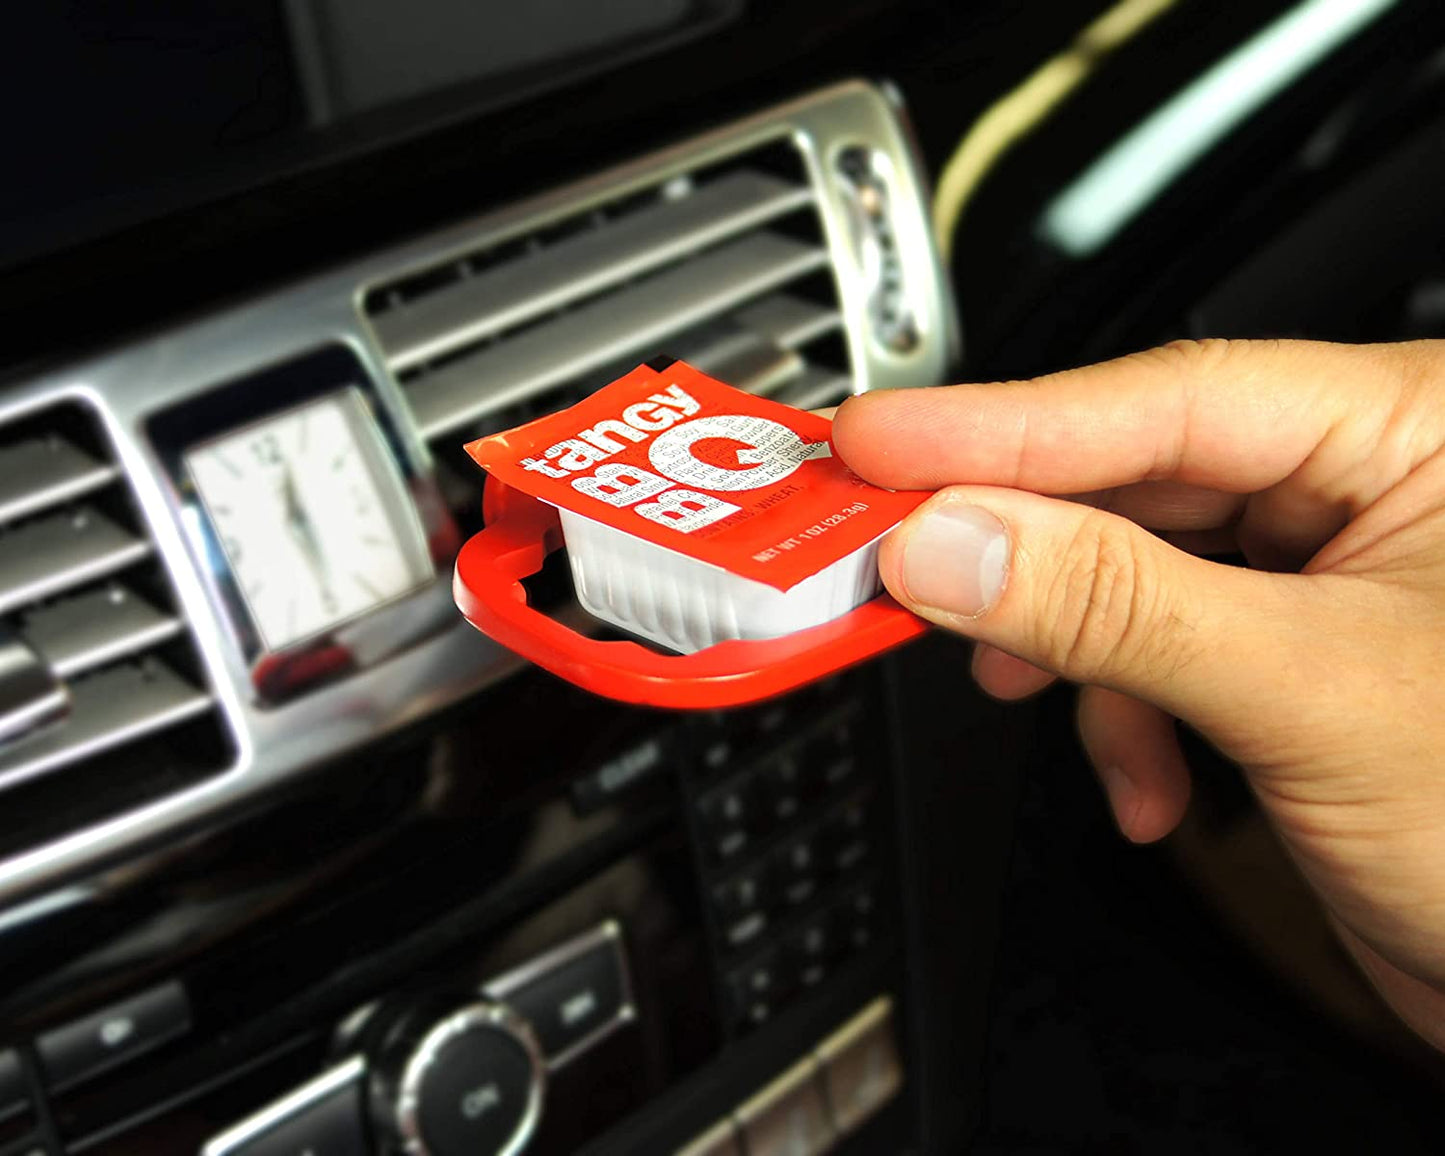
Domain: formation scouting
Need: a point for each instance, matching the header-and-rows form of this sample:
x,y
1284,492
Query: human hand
x,y
1317,670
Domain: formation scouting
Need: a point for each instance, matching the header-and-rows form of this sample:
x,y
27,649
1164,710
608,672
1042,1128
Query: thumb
x,y
1095,598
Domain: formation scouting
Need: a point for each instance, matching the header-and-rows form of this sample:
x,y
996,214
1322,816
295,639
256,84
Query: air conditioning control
x,y
469,1083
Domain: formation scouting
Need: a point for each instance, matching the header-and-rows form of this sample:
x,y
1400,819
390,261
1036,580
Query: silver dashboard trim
x,y
240,1135
510,982
125,386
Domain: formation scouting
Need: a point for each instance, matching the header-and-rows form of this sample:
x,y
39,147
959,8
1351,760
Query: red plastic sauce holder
x,y
521,531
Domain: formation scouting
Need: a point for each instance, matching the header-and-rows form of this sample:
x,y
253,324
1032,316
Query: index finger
x,y
1228,415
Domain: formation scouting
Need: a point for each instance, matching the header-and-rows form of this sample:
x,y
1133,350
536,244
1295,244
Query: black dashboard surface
x,y
189,246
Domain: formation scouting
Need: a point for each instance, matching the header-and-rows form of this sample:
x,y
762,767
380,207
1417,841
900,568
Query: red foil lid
x,y
684,461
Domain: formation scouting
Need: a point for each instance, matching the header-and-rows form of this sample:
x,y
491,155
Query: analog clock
x,y
305,506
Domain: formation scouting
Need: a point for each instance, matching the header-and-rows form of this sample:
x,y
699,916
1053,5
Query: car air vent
x,y
102,702
726,266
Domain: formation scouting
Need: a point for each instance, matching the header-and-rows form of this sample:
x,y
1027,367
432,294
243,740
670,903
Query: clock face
x,y
298,508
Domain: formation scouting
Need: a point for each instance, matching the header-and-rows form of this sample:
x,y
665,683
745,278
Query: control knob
x,y
465,1081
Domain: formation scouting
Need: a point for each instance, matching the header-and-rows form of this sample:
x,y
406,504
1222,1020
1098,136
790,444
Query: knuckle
x,y
1415,368
1104,610
1190,357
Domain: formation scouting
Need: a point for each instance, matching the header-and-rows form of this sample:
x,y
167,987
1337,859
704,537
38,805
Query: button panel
x,y
787,820
114,1034
785,802
573,996
847,1079
470,1082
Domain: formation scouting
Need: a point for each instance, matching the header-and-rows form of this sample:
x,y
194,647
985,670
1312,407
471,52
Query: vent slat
x,y
582,265
815,388
129,717
746,360
790,321
108,709
42,472
97,627
631,320
44,557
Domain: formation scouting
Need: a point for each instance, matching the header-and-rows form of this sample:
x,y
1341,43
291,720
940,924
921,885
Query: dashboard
x,y
243,530
294,861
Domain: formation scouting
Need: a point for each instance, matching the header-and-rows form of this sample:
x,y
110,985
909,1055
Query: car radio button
x,y
856,917
726,817
785,788
715,750
756,990
849,836
797,870
114,1034
322,1118
572,997
812,950
860,1065
741,894
837,751
788,1117
741,903
473,1086
623,772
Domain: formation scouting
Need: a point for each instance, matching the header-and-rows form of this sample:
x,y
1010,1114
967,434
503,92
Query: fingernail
x,y
1124,797
956,559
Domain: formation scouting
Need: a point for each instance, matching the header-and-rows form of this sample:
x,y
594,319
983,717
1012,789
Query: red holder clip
x,y
521,531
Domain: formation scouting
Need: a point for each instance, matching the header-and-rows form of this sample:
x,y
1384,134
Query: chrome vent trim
x,y
610,246
607,329
724,259
522,322
81,589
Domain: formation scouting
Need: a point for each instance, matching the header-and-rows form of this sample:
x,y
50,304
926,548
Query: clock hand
x,y
304,532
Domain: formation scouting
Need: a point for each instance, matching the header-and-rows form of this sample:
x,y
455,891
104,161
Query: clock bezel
x,y
406,490
404,528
